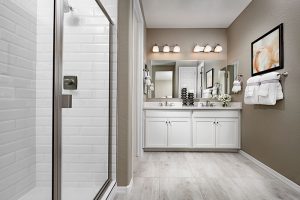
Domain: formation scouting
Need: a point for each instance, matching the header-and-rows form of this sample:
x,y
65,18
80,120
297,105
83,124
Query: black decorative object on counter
x,y
184,96
191,99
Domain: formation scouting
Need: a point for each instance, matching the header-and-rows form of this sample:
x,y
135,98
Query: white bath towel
x,y
251,91
270,89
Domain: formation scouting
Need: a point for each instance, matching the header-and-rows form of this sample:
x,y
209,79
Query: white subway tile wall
x,y
85,126
44,81
17,99
26,42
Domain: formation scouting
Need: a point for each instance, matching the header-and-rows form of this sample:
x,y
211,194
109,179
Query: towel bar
x,y
285,74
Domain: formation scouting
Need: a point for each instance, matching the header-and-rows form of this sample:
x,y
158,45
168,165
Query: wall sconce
x,y
218,49
208,49
155,48
166,49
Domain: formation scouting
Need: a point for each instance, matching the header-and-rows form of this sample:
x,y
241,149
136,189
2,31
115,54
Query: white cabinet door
x,y
204,133
156,132
179,132
227,133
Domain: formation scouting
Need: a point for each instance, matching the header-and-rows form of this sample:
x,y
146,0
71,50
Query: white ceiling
x,y
192,13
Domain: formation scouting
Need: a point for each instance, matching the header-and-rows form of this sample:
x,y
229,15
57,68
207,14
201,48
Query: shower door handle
x,y
66,101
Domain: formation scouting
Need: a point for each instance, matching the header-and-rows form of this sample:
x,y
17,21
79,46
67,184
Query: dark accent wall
x,y
271,134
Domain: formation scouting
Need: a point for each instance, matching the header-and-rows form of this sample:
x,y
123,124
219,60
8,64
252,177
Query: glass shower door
x,y
85,123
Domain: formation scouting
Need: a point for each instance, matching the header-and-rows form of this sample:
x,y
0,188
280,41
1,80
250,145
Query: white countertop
x,y
197,106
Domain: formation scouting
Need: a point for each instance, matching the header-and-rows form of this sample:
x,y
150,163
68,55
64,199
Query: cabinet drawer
x,y
168,114
216,114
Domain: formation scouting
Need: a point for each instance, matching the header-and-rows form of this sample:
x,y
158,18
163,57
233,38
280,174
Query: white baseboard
x,y
271,171
125,189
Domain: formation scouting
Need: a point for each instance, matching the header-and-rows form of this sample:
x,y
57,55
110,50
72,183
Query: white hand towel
x,y
279,92
267,93
270,89
237,86
207,93
215,91
251,91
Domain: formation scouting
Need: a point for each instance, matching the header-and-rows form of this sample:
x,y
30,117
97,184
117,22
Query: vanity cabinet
x,y
199,129
216,129
168,129
215,133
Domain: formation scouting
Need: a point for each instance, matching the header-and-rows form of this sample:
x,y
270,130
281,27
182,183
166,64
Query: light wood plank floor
x,y
203,176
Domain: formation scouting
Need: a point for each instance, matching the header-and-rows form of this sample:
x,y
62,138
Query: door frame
x,y
138,56
57,101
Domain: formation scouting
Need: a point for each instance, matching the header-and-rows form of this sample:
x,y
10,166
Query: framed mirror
x,y
200,77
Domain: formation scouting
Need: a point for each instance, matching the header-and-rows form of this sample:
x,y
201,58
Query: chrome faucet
x,y
166,103
207,103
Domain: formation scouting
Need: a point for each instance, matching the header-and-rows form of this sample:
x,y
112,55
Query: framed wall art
x,y
267,52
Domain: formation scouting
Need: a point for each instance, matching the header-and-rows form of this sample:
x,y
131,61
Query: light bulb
x,y
155,48
207,49
176,49
218,49
198,49
166,49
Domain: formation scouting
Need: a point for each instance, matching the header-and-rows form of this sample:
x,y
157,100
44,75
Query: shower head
x,y
67,7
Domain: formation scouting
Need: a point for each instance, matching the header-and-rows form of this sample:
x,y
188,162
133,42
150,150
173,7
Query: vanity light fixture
x,y
198,48
176,49
155,48
218,49
207,49
166,49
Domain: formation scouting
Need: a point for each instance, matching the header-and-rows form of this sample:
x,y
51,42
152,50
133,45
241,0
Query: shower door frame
x,y
57,101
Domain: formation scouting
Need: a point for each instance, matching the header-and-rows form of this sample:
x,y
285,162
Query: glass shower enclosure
x,y
55,99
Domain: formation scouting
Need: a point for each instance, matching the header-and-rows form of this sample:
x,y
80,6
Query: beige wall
x,y
124,117
271,133
186,39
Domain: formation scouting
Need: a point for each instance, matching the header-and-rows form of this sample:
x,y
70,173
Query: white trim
x,y
271,171
125,189
139,62
110,191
